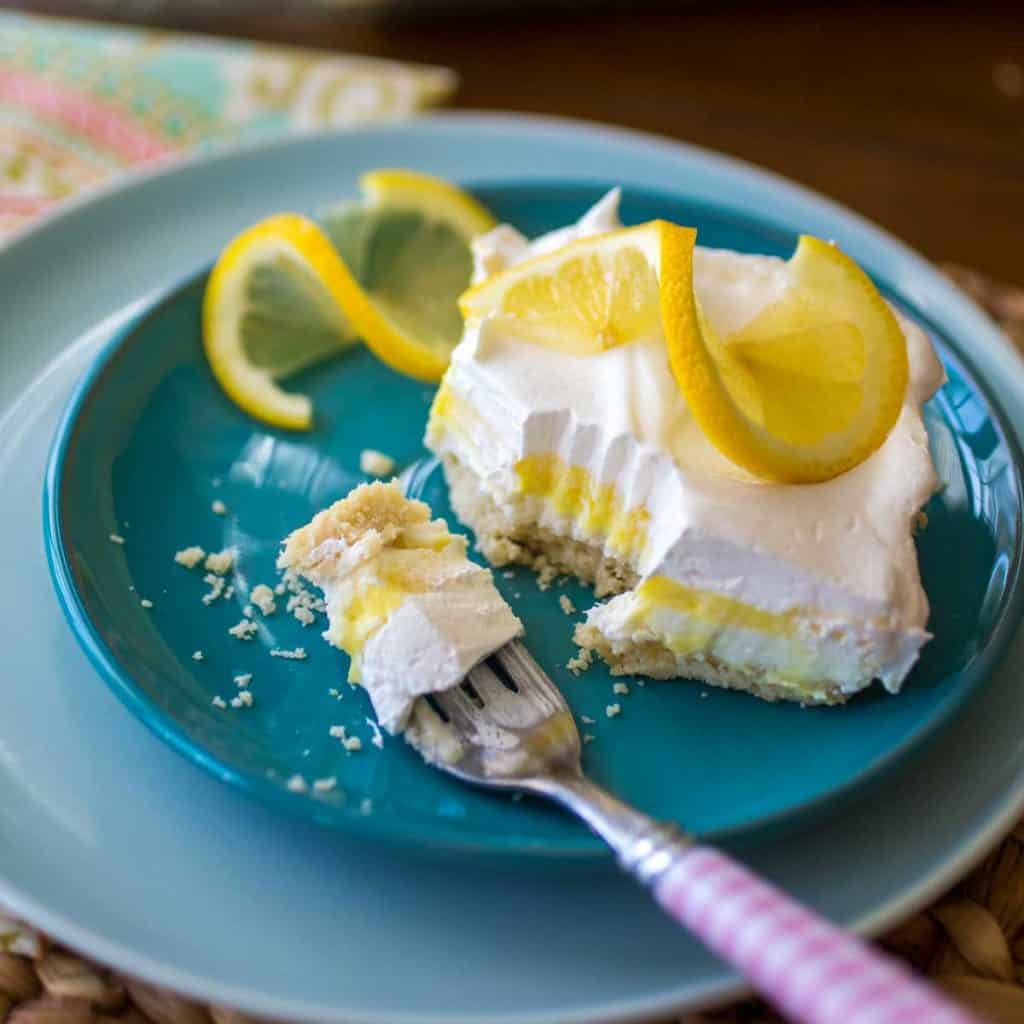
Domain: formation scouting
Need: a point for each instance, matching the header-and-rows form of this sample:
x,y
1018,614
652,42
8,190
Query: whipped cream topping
x,y
402,598
842,548
431,641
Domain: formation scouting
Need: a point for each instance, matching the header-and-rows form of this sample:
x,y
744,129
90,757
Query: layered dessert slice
x,y
593,462
413,613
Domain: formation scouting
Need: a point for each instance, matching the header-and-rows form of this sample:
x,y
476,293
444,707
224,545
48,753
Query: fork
x,y
507,726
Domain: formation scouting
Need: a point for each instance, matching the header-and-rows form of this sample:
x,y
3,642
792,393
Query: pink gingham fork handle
x,y
811,971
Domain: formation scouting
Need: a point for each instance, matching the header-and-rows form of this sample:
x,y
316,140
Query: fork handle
x,y
807,968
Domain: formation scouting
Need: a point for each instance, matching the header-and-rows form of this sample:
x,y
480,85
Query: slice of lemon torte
x,y
729,446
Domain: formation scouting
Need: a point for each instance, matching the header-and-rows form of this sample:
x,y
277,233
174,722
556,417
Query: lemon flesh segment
x,y
406,272
810,387
271,308
589,296
435,198
407,259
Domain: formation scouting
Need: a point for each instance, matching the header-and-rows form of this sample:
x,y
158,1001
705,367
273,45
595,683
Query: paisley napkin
x,y
80,103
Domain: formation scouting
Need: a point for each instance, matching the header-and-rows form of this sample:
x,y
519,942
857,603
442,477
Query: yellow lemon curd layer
x,y
571,492
397,573
716,610
712,619
447,412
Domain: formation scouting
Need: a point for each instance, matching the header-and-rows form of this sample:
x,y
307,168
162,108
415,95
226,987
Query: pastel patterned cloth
x,y
81,102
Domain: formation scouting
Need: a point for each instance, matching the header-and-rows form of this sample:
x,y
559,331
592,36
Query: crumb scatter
x,y
263,598
350,743
221,562
581,662
189,557
244,629
376,463
217,585
298,654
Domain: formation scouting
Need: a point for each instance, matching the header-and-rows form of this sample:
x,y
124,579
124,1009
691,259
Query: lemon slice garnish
x,y
287,293
435,198
588,296
273,307
810,387
807,390
407,249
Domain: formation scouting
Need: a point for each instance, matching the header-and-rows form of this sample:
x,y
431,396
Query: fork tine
x,y
459,707
487,684
498,734
510,709
521,666
531,682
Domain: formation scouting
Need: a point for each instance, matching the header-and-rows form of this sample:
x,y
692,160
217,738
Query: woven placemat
x,y
971,942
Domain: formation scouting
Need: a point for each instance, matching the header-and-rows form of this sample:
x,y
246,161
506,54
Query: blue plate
x,y
291,921
149,443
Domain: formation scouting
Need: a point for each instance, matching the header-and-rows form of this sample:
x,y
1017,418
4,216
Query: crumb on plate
x,y
376,463
263,598
190,557
298,654
221,562
244,629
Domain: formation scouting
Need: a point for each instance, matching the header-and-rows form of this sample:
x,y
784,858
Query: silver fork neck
x,y
644,846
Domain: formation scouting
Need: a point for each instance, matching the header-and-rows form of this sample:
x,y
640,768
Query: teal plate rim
x,y
442,839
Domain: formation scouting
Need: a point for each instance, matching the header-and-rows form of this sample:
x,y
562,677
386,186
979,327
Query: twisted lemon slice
x,y
407,247
590,295
287,293
810,387
807,390
273,307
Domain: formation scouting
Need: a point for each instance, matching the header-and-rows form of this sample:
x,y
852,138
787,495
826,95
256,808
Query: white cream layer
x,y
430,641
437,632
842,550
815,653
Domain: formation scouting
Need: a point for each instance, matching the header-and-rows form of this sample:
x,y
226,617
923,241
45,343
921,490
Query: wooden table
x,y
912,114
